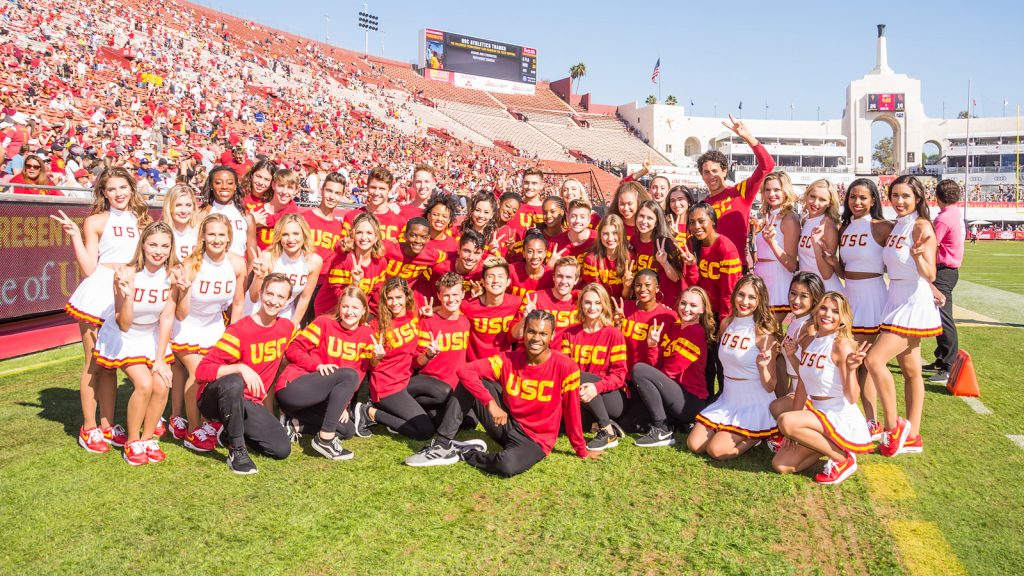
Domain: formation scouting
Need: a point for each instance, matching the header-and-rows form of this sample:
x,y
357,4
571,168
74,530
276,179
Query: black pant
x,y
664,398
245,422
606,406
428,391
318,401
403,414
714,371
520,452
947,346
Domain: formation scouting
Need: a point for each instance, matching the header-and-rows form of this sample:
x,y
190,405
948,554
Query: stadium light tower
x,y
368,22
327,29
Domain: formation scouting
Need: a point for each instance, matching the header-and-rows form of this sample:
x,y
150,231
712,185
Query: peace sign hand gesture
x,y
434,348
686,255
739,128
378,347
475,289
660,254
427,310
768,230
789,345
619,313
259,269
259,215
627,274
556,255
764,357
856,358
70,226
179,277
917,250
357,271
124,279
654,334
530,304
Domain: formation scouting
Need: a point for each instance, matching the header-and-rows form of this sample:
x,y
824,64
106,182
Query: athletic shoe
x,y
836,472
214,430
289,428
239,461
161,428
940,377
474,445
115,436
391,431
875,429
655,437
913,445
603,441
199,441
135,453
617,430
930,367
434,454
92,440
179,428
153,452
362,420
774,442
331,449
893,440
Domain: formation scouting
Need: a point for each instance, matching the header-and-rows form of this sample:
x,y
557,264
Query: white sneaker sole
x,y
125,456
607,446
658,444
475,443
446,461
911,450
87,449
323,452
194,448
846,474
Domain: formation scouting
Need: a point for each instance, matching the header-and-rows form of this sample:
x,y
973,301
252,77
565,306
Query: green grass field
x,y
661,511
998,264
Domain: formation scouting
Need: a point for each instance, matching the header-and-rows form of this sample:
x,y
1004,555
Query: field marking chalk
x,y
924,549
1016,439
32,367
888,482
975,404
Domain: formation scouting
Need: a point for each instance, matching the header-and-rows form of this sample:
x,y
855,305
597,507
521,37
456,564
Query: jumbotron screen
x,y
885,103
461,54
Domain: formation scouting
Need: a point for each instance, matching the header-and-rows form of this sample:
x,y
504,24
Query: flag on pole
x,y
741,104
657,72
691,103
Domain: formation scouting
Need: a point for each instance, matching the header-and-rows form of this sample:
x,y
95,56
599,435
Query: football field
x,y
955,509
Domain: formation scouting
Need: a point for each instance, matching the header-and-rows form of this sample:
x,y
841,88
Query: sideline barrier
x,y
962,379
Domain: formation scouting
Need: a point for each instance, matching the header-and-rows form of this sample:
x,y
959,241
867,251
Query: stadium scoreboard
x,y
468,61
886,103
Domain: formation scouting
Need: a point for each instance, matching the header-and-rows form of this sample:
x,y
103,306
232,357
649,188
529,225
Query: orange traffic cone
x,y
962,381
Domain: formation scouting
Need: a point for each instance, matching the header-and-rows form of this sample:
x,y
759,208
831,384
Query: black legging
x,y
664,398
606,406
428,391
318,401
245,422
713,371
403,414
520,452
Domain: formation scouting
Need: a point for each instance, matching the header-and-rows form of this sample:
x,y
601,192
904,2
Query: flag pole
x,y
967,162
659,81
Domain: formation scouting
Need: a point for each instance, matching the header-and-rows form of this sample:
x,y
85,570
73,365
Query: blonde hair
x,y
832,211
277,248
195,260
789,196
138,261
352,291
707,317
377,250
620,255
845,329
602,295
285,177
177,191
136,204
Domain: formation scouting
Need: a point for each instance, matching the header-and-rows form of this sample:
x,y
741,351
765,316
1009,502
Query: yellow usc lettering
x,y
346,351
529,389
710,270
722,207
323,238
564,318
645,261
266,236
635,330
590,354
269,351
495,325
453,341
403,334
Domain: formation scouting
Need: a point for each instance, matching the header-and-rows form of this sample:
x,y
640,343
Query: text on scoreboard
x,y
469,55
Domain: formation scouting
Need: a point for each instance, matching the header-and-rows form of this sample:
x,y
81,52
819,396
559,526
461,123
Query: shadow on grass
x,y
60,405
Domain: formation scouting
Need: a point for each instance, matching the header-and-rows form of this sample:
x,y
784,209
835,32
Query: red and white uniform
x,y
246,342
743,406
861,253
392,373
776,277
490,325
93,300
909,310
796,323
117,349
340,277
239,226
325,341
265,234
185,242
529,216
732,205
211,294
453,344
297,271
602,353
805,254
537,397
842,420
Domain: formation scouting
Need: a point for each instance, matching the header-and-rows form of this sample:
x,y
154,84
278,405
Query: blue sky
x,y
713,53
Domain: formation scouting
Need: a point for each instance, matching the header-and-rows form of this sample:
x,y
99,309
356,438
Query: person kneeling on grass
x,y
520,398
235,376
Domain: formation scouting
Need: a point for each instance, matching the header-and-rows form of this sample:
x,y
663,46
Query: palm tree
x,y
671,100
651,100
577,72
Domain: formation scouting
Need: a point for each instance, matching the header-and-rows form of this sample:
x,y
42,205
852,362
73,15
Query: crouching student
x,y
520,397
235,376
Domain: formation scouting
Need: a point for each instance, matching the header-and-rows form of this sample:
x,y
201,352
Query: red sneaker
x,y
213,429
198,441
153,452
836,472
115,435
92,440
893,440
161,428
135,453
875,429
774,442
913,445
179,427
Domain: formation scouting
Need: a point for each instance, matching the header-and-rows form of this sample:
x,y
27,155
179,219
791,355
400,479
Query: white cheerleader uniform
x,y
116,349
743,406
910,310
93,300
793,331
805,255
212,291
861,253
185,242
239,226
297,271
842,421
776,277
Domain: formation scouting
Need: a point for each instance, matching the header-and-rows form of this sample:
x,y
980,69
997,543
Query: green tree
x,y
577,72
671,100
651,100
883,153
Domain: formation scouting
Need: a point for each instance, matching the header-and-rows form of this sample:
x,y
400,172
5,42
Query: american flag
x,y
657,72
